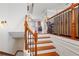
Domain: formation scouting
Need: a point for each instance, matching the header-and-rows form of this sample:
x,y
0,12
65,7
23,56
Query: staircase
x,y
44,46
38,44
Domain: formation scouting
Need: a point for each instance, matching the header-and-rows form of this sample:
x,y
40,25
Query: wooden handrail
x,y
64,10
27,40
26,25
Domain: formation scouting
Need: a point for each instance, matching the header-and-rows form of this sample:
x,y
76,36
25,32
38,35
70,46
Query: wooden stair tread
x,y
49,54
43,42
43,48
42,37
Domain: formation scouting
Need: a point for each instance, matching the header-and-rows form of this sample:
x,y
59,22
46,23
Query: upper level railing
x,y
66,22
30,39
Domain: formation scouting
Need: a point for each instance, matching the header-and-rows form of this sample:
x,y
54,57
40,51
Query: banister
x,y
26,26
73,20
27,40
64,10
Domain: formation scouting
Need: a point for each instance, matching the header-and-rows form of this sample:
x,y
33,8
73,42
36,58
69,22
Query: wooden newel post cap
x,y
36,34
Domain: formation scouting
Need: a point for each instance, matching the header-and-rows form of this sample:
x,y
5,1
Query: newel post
x,y
25,33
36,39
73,23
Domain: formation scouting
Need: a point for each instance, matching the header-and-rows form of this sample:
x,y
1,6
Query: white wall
x,y
14,15
44,29
15,44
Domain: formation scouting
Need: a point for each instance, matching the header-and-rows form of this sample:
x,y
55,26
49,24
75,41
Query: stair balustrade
x,y
30,38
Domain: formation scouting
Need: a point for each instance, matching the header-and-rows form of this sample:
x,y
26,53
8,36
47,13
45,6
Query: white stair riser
x,y
41,45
